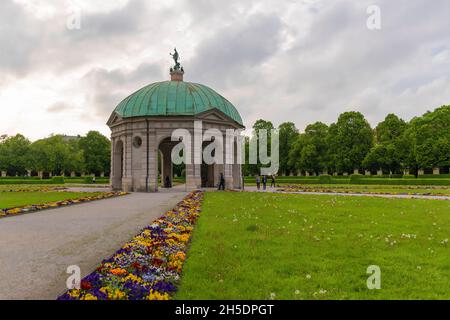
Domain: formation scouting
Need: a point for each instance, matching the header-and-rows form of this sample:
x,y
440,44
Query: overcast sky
x,y
281,60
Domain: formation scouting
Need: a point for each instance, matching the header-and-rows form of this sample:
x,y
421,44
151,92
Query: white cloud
x,y
299,61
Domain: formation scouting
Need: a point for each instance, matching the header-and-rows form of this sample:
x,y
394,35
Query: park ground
x,y
246,245
283,246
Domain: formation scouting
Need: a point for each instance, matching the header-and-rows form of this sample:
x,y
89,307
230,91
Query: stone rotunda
x,y
142,126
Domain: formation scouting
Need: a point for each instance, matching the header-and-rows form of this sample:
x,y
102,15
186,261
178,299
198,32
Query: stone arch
x,y
118,154
165,147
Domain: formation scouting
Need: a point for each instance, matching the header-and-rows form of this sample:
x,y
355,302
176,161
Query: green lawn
x,y
16,199
261,245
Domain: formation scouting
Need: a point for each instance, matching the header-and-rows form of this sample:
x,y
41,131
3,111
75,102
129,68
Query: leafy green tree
x,y
389,155
259,125
14,154
96,152
390,129
350,140
309,151
431,138
288,133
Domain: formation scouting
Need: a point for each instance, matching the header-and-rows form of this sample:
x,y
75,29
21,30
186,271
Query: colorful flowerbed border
x,y
50,205
46,189
149,266
301,189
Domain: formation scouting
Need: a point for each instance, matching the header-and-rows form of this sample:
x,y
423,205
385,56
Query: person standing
x,y
222,182
272,181
264,180
258,182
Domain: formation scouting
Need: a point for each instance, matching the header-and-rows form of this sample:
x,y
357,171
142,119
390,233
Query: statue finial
x,y
176,57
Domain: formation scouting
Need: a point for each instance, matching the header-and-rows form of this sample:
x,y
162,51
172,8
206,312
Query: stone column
x,y
436,171
193,171
153,161
127,178
228,164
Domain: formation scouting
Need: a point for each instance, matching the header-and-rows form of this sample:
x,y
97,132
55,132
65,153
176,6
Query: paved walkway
x,y
37,248
400,196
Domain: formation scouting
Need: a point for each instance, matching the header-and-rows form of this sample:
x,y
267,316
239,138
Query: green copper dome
x,y
175,98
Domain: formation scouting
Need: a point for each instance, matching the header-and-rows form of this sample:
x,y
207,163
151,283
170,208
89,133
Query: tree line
x,y
393,146
55,155
349,144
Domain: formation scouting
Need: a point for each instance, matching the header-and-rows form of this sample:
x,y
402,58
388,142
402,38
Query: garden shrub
x,y
354,178
325,179
88,180
58,180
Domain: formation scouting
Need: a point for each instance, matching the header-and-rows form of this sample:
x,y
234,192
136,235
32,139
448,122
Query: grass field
x,y
16,199
281,246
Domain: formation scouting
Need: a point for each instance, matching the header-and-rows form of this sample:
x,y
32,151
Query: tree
x,y
96,152
259,125
350,140
389,155
430,135
14,154
309,151
288,133
390,129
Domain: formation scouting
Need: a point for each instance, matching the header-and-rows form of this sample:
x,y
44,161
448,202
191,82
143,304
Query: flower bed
x,y
37,207
149,266
300,189
34,189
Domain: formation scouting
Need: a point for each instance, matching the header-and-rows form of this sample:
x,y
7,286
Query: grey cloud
x,y
16,38
59,107
331,63
235,52
105,89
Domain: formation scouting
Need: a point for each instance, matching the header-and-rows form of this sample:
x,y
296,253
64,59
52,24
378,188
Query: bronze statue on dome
x,y
176,57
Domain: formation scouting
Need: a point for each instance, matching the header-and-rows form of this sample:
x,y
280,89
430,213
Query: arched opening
x,y
208,173
117,165
169,174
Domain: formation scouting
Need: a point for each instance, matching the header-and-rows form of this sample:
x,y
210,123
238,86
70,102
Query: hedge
x,y
405,182
356,179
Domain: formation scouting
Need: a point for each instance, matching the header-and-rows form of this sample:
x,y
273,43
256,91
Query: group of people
x,y
259,180
263,180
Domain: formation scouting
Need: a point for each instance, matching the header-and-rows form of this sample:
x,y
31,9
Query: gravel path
x,y
37,248
400,196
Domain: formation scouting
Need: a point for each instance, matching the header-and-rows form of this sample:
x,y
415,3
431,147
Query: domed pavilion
x,y
142,126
